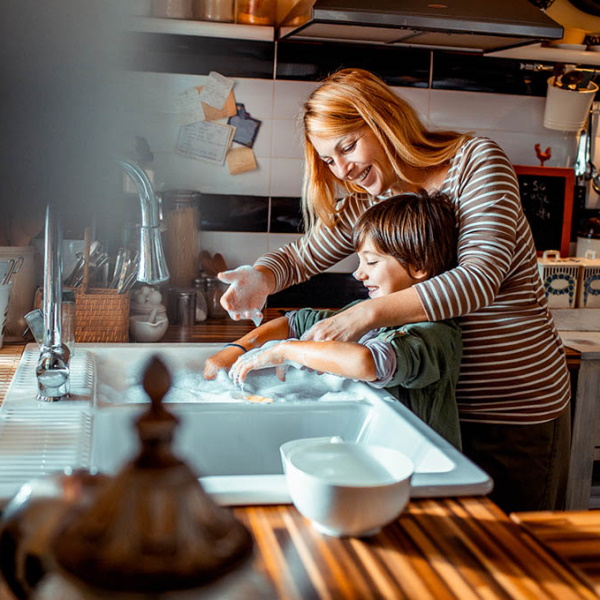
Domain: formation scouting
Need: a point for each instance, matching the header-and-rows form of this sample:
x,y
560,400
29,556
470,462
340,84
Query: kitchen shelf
x,y
549,54
203,29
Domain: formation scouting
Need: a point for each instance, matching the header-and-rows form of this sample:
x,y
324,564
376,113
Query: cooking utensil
x,y
15,266
219,263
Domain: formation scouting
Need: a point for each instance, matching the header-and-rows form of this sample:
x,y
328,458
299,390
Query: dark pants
x,y
528,463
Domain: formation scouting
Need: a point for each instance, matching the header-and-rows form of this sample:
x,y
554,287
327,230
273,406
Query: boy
x,y
400,242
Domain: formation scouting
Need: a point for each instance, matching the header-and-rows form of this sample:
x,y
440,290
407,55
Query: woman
x,y
513,391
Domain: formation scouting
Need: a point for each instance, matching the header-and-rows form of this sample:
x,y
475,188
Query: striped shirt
x,y
513,369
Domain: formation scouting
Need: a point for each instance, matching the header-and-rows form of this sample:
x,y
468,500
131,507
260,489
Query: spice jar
x,y
214,10
214,290
182,220
201,307
256,12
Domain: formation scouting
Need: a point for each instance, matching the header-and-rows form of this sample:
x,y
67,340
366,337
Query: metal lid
x,y
152,528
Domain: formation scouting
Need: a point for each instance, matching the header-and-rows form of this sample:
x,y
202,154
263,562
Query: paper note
x,y
215,91
189,106
241,160
205,141
214,114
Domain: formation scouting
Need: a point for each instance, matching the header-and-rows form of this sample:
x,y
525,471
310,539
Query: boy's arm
x,y
347,359
276,329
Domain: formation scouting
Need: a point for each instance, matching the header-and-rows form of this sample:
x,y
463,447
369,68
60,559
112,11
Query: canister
x,y
182,235
182,306
214,290
560,277
214,10
589,283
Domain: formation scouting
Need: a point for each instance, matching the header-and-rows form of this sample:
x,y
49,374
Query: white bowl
x,y
142,330
346,488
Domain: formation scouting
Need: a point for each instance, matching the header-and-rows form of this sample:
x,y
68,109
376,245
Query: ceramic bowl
x,y
142,330
346,488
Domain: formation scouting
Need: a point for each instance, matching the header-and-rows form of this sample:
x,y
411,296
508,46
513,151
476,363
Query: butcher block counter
x,y
439,548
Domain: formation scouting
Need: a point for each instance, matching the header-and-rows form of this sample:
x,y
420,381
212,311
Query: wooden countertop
x,y
463,548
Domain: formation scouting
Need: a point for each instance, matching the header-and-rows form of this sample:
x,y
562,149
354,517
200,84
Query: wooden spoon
x,y
219,263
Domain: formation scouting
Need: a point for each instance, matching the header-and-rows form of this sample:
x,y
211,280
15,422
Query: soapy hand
x,y
346,326
221,360
270,355
247,293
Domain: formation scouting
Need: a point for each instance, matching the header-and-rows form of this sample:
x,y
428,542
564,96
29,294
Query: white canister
x,y
560,277
589,284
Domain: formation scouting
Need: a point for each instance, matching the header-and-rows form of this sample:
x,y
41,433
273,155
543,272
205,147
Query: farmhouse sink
x,y
230,436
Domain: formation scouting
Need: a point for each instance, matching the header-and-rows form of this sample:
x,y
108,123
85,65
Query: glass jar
x,y
201,306
214,10
214,290
172,9
182,221
256,12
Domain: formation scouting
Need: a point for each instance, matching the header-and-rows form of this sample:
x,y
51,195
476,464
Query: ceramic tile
x,y
471,110
289,96
199,55
287,139
347,265
469,72
286,215
256,95
520,146
313,61
234,213
327,290
175,171
237,248
286,177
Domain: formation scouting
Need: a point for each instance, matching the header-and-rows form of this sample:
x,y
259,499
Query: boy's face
x,y
382,274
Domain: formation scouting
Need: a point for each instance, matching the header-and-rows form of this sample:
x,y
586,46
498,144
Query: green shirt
x,y
428,358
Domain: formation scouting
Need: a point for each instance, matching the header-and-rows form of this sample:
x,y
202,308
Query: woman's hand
x,y
221,360
247,292
347,326
261,358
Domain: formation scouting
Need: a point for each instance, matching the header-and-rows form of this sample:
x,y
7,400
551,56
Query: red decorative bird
x,y
543,156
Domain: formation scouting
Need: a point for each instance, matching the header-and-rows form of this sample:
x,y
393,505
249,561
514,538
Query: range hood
x,y
469,25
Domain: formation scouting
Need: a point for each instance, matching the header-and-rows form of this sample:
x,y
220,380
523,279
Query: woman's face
x,y
381,273
357,157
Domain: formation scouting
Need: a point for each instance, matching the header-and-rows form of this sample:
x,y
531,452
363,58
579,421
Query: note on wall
x,y
189,106
241,160
216,89
205,140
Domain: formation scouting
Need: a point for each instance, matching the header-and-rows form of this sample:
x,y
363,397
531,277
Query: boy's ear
x,y
418,274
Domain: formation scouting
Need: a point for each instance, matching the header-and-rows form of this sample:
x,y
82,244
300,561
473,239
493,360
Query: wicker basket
x,y
101,315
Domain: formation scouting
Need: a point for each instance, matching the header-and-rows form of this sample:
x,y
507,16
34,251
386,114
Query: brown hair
x,y
417,229
342,104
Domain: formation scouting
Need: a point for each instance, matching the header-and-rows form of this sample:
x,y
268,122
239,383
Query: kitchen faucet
x,y
153,265
52,369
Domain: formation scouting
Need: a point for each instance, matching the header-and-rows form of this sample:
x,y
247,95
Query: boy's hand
x,y
221,360
262,358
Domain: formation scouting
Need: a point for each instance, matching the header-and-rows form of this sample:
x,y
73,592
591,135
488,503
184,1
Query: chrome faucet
x,y
52,369
153,266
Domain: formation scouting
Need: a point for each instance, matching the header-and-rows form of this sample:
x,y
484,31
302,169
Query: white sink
x,y
232,443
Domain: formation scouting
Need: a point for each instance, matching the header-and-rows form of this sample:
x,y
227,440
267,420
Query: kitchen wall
x,y
245,215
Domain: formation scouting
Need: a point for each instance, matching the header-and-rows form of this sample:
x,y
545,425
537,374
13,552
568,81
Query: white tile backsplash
x,y
515,122
237,248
